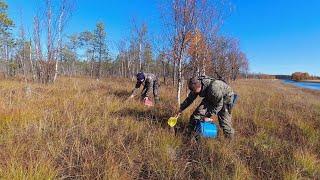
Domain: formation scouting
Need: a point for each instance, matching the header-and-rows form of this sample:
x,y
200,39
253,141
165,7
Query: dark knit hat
x,y
140,77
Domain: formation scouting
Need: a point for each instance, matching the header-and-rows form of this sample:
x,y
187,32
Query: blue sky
x,y
278,36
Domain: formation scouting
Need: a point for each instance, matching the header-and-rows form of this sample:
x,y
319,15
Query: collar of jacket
x,y
205,86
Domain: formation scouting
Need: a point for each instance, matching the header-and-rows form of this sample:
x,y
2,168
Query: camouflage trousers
x,y
224,117
155,89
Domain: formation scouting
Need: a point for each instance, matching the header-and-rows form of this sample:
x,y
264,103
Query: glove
x,y
206,119
178,113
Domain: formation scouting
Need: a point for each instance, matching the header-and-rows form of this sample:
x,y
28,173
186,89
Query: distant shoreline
x,y
312,85
310,81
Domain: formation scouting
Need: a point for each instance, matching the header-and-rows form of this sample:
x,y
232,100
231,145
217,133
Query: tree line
x,y
300,76
189,45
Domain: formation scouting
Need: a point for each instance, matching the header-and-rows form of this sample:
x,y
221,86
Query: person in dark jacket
x,y
218,98
150,83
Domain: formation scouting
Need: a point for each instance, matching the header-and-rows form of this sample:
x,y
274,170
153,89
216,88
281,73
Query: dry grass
x,y
81,128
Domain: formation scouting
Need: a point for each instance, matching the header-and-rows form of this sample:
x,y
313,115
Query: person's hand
x,y
206,119
178,113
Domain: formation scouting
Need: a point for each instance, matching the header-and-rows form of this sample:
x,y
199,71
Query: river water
x,y
307,85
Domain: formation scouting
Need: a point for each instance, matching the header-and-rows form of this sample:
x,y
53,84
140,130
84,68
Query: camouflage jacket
x,y
147,83
214,92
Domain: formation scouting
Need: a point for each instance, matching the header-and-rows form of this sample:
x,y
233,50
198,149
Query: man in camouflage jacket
x,y
218,98
150,83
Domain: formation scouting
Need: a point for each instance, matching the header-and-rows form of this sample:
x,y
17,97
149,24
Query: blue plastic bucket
x,y
207,129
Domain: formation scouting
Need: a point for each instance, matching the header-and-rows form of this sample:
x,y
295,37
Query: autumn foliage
x,y
299,76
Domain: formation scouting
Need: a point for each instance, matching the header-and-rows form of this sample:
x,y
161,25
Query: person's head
x,y
194,85
140,77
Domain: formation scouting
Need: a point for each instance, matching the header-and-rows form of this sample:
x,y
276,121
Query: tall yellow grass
x,y
84,129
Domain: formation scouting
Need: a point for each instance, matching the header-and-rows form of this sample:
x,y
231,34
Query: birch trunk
x,y
59,46
179,82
